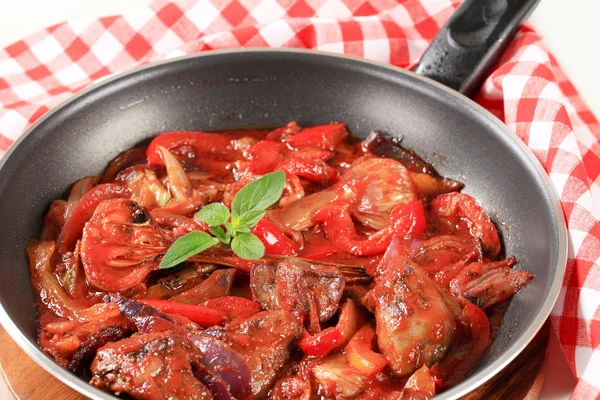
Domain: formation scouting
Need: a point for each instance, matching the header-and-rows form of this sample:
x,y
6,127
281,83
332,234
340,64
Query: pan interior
x,y
270,88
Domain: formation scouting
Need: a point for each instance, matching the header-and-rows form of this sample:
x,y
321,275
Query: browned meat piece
x,y
299,287
336,378
88,348
263,283
152,366
487,283
264,340
415,325
291,387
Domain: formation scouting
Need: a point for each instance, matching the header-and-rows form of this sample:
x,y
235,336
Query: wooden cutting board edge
x,y
22,379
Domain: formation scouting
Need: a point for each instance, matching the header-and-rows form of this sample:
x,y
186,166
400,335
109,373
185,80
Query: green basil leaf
x,y
235,221
220,234
248,246
213,214
187,246
250,218
259,194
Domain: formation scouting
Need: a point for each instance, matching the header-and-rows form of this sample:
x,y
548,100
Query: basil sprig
x,y
231,227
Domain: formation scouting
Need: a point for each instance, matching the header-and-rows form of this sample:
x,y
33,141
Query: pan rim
x,y
467,385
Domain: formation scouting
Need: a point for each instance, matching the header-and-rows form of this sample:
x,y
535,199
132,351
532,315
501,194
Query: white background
x,y
571,29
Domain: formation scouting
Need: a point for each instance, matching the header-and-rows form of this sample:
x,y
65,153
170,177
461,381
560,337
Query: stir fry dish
x,y
295,263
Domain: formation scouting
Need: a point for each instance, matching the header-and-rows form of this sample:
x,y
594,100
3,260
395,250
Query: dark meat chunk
x,y
291,387
88,348
487,283
263,283
415,324
151,366
336,378
265,341
300,287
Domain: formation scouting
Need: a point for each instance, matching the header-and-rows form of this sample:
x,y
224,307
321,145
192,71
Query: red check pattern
x,y
527,90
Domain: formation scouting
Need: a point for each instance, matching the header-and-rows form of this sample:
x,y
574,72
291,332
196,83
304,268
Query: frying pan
x,y
260,88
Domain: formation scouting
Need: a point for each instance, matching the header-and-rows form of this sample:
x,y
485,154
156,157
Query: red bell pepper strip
x,y
461,206
84,210
334,338
316,171
407,220
275,241
317,250
201,142
324,137
320,344
203,316
264,156
313,154
359,352
234,306
349,322
281,134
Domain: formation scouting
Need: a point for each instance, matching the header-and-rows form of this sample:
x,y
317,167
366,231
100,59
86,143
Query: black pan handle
x,y
472,41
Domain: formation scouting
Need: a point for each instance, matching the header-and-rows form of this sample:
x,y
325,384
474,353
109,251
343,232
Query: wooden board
x,y
22,379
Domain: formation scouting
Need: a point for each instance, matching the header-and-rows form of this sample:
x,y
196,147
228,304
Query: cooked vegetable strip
x,y
274,240
218,284
233,306
460,206
324,137
45,284
407,220
359,352
294,263
322,343
203,316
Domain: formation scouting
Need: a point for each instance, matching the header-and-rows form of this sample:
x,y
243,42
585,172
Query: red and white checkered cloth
x,y
528,91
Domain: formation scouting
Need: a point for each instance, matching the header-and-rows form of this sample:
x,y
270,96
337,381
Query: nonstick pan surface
x,y
266,88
